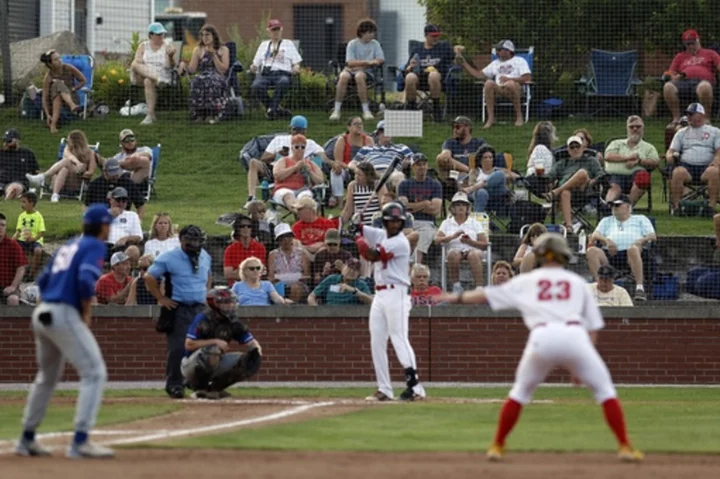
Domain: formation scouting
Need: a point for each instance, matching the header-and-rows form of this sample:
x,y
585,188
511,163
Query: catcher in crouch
x,y
208,367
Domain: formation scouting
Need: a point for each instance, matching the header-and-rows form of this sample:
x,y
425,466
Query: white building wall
x,y
120,18
55,16
411,21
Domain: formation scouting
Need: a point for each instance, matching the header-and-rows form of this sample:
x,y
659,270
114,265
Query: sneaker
x,y
640,295
457,288
379,396
147,120
55,198
707,212
628,454
36,180
410,395
250,200
335,116
88,450
30,449
576,227
367,115
163,83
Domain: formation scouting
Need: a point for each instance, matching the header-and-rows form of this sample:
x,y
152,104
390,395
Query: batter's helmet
x,y
393,211
551,247
222,300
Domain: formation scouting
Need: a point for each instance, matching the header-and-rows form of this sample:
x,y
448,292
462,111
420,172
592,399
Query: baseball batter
x,y
60,325
389,249
564,320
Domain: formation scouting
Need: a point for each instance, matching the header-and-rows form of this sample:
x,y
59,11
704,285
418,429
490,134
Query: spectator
x,y
331,259
153,67
692,75
590,148
125,229
60,88
487,184
135,161
605,292
15,164
310,228
465,239
262,228
30,230
525,260
114,287
250,290
427,68
78,164
422,196
388,196
363,52
501,273
12,266
289,265
294,174
505,77
209,89
457,149
242,248
572,178
382,154
540,156
276,60
623,236
421,293
359,191
162,235
188,273
278,148
111,179
139,294
346,147
342,289
698,148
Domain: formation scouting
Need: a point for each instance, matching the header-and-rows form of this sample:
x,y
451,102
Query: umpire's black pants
x,y
184,315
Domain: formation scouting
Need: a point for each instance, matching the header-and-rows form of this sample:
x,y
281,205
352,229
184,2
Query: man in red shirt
x,y
310,228
242,247
12,266
113,287
692,72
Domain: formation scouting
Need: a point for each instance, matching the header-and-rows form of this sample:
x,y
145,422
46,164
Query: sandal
x,y
549,197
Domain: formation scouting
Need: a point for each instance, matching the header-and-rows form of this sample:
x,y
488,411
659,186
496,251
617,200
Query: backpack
x,y
525,213
31,109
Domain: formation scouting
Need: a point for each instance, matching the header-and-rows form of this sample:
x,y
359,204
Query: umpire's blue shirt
x,y
188,286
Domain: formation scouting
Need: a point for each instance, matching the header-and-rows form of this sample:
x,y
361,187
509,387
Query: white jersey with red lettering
x,y
397,270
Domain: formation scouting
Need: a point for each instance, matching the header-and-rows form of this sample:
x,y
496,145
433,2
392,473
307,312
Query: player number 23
x,y
548,291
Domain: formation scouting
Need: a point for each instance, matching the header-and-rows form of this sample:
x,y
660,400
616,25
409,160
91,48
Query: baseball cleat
x,y
628,454
31,449
175,392
203,394
495,452
410,395
89,450
378,396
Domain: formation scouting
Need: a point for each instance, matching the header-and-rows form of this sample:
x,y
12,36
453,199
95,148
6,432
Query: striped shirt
x,y
381,156
362,193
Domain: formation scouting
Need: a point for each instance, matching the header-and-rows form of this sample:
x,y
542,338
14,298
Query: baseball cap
x,y
112,167
332,236
606,271
622,199
97,214
417,158
125,133
380,126
690,35
283,229
460,197
506,45
274,23
12,134
695,108
299,122
462,120
118,257
574,139
432,30
157,28
305,202
118,193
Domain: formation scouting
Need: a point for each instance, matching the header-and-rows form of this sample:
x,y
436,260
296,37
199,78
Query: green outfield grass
x,y
200,177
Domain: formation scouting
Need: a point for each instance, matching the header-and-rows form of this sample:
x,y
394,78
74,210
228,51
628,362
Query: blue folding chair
x,y
86,65
78,195
611,75
153,173
526,93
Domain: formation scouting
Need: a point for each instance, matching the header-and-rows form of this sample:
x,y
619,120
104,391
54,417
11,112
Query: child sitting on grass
x,y
30,230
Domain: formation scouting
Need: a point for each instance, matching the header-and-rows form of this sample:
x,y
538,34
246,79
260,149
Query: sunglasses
x,y
299,147
121,200
332,243
615,205
276,29
254,268
458,125
129,139
574,147
356,124
244,226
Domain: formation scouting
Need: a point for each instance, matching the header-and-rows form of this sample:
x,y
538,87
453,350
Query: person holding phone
x,y
342,289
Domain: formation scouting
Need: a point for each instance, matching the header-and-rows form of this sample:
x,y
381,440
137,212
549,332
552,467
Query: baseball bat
x,y
385,177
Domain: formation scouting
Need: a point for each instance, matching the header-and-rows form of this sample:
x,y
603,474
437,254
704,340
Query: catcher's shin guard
x,y
206,362
247,366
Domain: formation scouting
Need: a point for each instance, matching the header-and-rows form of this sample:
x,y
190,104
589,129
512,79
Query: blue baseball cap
x,y
97,214
157,28
299,121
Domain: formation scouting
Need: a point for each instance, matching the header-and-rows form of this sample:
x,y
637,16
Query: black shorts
x,y
619,261
687,90
423,83
29,248
696,171
625,182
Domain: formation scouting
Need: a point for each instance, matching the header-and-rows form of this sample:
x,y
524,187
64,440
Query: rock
x,y
26,55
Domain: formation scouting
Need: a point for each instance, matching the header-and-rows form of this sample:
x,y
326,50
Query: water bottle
x,y
582,242
416,57
265,190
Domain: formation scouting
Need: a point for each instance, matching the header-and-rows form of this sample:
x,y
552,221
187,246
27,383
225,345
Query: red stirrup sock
x,y
616,420
509,415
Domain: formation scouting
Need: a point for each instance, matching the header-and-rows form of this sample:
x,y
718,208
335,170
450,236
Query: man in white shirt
x,y
125,228
505,77
605,292
276,60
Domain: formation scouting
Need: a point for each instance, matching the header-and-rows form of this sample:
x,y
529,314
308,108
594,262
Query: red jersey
x,y
236,253
702,66
425,298
12,257
107,287
314,232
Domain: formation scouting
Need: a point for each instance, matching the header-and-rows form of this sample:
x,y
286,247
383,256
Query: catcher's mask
x,y
222,300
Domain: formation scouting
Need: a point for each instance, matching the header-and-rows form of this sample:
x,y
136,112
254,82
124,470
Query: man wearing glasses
x,y
622,237
629,162
112,178
692,73
457,149
242,248
15,163
134,159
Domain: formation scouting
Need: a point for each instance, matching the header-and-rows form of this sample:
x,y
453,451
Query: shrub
x,y
112,83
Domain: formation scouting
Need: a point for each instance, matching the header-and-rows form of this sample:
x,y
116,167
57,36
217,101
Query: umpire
x,y
186,271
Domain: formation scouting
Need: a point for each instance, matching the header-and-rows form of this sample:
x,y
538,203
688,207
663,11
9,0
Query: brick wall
x,y
452,344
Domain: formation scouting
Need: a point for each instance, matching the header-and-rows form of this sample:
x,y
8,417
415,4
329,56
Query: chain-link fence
x,y
495,122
